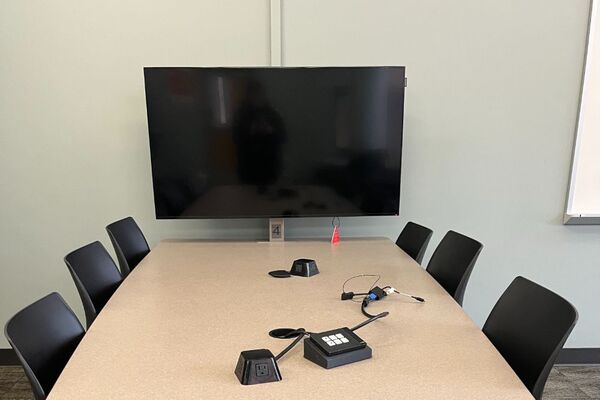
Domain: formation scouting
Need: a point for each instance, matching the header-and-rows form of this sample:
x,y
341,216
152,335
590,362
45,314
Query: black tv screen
x,y
275,142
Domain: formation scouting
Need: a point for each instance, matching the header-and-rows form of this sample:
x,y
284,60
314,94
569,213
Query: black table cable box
x,y
336,348
312,353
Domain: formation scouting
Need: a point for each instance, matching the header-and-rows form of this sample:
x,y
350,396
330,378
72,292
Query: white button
x,y
337,341
344,340
325,338
339,336
330,343
332,337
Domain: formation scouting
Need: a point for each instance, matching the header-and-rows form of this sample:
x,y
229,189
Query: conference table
x,y
176,326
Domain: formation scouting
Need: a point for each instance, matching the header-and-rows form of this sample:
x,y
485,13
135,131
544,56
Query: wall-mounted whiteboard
x,y
583,204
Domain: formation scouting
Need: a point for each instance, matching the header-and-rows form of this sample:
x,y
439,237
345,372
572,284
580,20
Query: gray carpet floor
x,y
565,383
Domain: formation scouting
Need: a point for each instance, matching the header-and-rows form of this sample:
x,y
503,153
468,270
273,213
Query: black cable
x,y
377,278
363,307
368,321
301,335
287,333
362,276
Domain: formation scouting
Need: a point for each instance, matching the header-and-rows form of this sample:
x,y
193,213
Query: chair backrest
x,y
129,243
95,275
529,325
44,335
413,240
452,262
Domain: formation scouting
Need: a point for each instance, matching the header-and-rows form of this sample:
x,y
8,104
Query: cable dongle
x,y
347,295
377,293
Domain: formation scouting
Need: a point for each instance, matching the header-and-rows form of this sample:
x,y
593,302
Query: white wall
x,y
490,115
491,106
74,152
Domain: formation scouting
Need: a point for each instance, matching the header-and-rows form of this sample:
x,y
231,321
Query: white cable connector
x,y
391,290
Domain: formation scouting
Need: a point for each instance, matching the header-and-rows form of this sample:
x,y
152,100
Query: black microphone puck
x,y
280,273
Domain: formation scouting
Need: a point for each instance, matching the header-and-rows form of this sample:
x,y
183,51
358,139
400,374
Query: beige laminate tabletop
x,y
176,326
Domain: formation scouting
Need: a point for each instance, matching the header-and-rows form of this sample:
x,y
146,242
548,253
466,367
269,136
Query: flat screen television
x,y
275,142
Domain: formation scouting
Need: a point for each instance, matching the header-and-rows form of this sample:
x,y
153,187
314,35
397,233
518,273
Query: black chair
x,y
529,325
413,240
44,335
96,277
452,262
129,243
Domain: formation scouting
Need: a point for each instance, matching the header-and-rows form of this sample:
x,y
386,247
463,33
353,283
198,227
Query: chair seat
x,y
529,325
452,263
95,275
414,239
129,243
44,335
